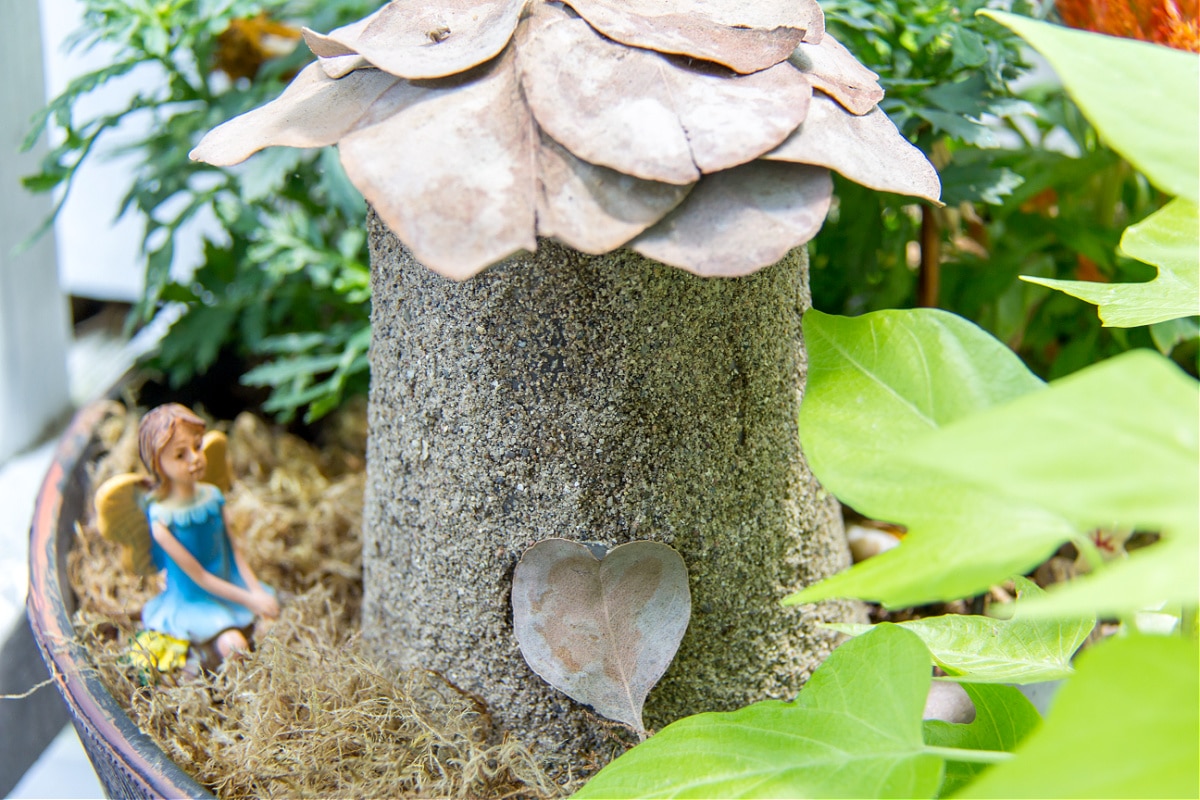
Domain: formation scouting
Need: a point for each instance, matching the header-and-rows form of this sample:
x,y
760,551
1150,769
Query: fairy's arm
x,y
254,599
243,567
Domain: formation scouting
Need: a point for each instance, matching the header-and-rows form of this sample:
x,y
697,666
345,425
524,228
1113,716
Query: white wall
x,y
99,254
33,318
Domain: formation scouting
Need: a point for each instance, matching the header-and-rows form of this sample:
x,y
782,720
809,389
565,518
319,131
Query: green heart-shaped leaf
x,y
854,731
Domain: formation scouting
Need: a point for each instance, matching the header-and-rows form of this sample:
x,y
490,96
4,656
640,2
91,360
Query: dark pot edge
x,y
128,762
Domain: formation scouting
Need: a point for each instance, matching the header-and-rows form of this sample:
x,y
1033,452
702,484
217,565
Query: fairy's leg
x,y
231,642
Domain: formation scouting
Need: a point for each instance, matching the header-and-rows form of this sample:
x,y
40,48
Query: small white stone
x,y
949,702
866,542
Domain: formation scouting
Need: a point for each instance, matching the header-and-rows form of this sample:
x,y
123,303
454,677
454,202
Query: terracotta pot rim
x,y
126,759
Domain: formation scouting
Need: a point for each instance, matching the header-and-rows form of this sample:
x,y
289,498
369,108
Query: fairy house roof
x,y
699,133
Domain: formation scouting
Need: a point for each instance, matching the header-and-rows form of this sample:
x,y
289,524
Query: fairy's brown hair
x,y
155,431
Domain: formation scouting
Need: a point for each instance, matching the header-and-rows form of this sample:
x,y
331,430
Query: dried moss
x,y
305,714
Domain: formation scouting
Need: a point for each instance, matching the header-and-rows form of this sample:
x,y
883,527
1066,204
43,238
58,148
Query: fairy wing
x,y
216,452
121,519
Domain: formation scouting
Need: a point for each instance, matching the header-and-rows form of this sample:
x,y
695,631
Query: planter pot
x,y
127,761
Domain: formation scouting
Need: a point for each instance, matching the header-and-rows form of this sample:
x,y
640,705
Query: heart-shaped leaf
x,y
854,731
602,631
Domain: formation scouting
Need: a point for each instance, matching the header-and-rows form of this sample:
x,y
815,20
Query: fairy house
x,y
588,226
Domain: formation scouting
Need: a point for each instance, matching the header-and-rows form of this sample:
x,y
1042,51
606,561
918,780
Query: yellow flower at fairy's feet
x,y
696,132
158,651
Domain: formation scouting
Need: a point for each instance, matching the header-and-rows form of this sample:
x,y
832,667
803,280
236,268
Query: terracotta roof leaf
x,y
831,68
452,171
313,111
417,40
746,37
738,221
648,116
475,126
867,149
595,209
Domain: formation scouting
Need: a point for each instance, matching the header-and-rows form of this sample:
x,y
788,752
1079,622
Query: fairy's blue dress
x,y
184,609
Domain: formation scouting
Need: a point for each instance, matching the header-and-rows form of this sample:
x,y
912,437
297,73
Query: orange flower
x,y
1168,22
247,43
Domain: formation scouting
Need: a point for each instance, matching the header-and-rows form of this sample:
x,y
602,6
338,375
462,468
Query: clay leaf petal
x,y
341,66
337,59
746,37
595,209
313,111
450,169
741,220
602,631
867,149
418,40
832,68
731,120
641,114
331,45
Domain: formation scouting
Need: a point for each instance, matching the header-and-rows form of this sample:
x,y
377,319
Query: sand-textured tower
x,y
589,272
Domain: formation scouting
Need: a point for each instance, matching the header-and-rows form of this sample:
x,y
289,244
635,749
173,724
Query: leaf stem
x,y
929,274
1187,622
971,756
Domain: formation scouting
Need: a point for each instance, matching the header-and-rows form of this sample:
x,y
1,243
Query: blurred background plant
x,y
1029,187
1029,190
284,288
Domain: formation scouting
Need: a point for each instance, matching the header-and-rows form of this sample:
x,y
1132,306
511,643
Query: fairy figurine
x,y
174,521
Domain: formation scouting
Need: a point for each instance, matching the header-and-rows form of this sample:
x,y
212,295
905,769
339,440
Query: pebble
x,y
866,542
949,702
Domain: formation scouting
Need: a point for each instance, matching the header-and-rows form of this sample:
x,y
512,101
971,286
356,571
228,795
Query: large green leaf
x,y
1117,443
1170,240
1144,99
1003,718
879,383
1126,725
987,650
854,731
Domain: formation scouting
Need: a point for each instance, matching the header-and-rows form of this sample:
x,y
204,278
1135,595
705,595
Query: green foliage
x,y
942,67
879,383
926,402
1165,146
918,439
943,70
1155,122
1126,725
985,650
1170,240
1014,206
1003,718
854,731
922,418
1114,444
292,258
